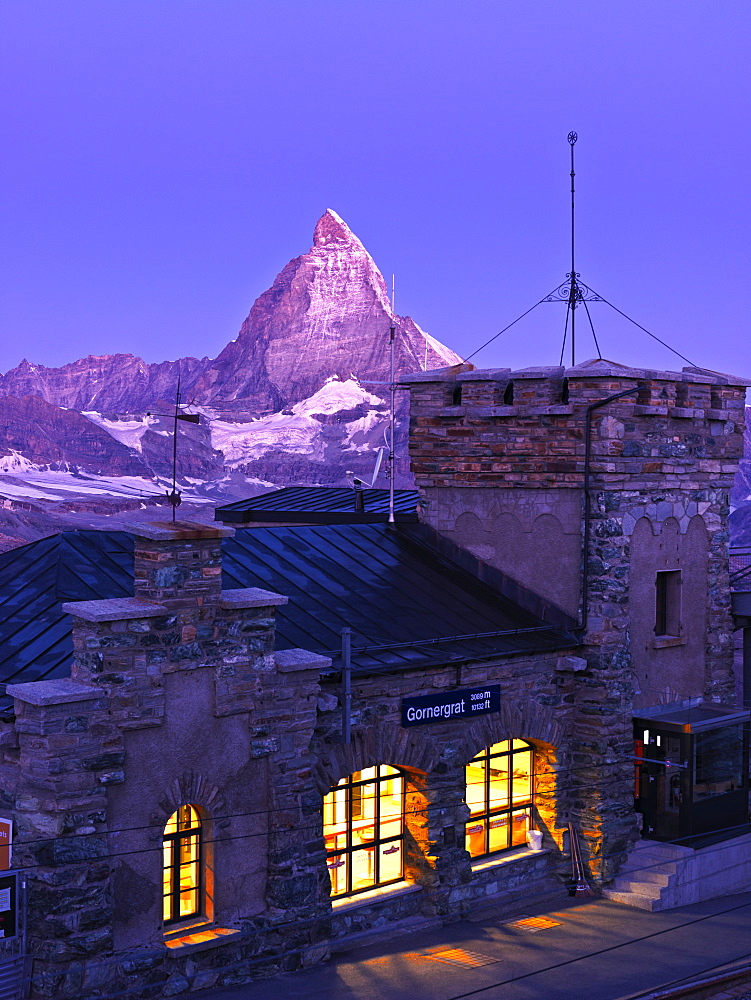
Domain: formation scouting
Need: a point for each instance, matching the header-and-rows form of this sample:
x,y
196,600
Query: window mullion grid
x,y
349,821
349,850
199,880
177,876
488,761
174,876
377,828
176,841
510,772
403,819
501,759
170,894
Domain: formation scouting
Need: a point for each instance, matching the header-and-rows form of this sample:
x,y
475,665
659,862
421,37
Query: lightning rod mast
x,y
392,404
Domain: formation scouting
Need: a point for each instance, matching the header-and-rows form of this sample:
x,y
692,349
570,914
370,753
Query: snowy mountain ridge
x,y
298,397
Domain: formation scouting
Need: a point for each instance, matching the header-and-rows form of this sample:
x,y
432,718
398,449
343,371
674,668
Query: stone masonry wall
x,y
539,704
176,695
668,449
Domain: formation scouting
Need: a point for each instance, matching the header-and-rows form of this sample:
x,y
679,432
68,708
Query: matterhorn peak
x,y
331,228
327,313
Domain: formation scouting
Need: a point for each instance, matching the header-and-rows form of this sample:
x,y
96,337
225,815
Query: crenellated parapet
x,y
527,428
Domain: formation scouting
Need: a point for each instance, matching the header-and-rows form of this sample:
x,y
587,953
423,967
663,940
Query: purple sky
x,y
162,162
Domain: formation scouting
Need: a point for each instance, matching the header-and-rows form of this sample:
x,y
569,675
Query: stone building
x,y
606,490
199,796
500,458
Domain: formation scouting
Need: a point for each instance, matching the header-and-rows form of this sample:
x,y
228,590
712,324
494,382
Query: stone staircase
x,y
660,876
649,876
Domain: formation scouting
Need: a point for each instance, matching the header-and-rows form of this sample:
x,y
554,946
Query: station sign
x,y
449,706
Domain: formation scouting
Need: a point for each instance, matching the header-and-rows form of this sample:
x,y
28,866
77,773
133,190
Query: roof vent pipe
x,y
359,496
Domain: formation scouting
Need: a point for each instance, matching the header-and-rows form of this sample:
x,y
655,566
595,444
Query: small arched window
x,y
363,826
500,792
183,865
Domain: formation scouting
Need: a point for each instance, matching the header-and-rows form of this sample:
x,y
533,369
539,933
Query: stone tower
x,y
501,458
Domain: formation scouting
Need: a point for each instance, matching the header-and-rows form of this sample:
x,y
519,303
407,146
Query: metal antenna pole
x,y
174,451
574,290
392,404
347,685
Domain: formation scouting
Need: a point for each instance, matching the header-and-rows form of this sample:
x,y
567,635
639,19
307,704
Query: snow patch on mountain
x,y
127,432
297,429
15,462
43,484
360,432
335,395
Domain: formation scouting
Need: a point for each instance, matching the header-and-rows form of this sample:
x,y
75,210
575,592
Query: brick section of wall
x,y
646,438
178,566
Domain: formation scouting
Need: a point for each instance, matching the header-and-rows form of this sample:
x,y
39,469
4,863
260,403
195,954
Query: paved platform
x,y
588,949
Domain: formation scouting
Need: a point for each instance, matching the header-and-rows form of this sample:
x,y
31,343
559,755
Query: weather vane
x,y
173,497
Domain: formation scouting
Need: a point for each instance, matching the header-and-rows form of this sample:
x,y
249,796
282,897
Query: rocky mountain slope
x,y
112,383
327,313
33,432
288,401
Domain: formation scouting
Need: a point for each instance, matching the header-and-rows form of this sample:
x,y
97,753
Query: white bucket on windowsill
x,y
534,840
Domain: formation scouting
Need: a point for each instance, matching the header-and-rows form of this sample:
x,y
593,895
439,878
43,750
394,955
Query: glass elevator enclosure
x,y
691,780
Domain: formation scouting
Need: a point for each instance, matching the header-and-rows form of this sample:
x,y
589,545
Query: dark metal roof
x,y
691,716
406,603
391,589
35,636
320,505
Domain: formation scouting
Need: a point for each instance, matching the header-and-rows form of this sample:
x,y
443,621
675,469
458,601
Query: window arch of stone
x,y
500,795
542,731
643,530
697,527
183,867
383,742
414,755
548,523
206,800
507,526
469,529
364,830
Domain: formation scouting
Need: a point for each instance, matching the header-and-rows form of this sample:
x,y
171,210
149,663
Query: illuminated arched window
x,y
500,790
182,865
363,826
